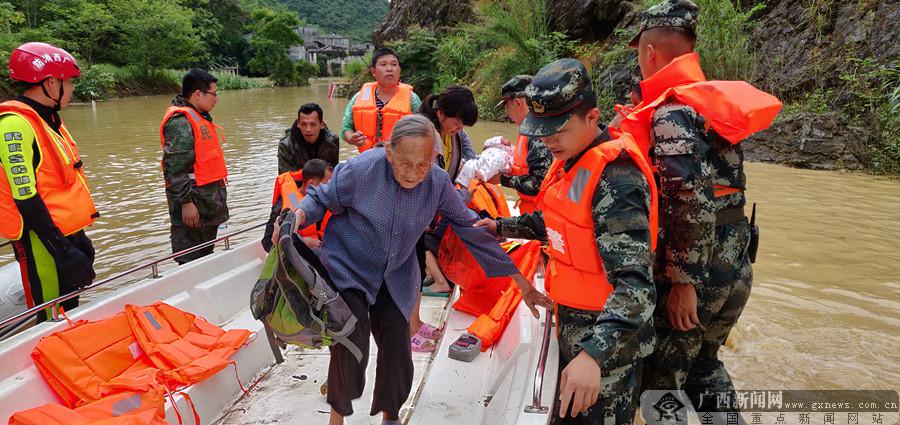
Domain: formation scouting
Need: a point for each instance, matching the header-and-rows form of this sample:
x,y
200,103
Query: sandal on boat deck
x,y
420,344
429,332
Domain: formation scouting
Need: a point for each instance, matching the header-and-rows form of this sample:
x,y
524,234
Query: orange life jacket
x,y
488,198
479,292
575,275
453,255
79,362
61,183
209,160
734,109
520,163
489,327
125,408
365,113
115,371
287,190
527,203
186,348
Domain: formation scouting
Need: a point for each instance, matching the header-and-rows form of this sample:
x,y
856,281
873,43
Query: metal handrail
x,y
535,406
153,265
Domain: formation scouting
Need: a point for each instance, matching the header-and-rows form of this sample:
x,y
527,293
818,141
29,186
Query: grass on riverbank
x,y
103,81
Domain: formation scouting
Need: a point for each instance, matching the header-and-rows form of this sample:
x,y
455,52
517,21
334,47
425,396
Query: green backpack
x,y
296,300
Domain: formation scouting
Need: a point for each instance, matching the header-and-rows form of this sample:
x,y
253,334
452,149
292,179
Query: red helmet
x,y
34,62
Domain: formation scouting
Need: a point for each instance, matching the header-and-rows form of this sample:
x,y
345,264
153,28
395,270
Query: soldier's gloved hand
x,y
75,269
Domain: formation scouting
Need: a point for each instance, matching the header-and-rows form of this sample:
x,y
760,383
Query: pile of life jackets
x,y
492,300
119,370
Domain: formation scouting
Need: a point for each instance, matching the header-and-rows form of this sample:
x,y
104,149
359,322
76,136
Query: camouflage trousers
x,y
689,360
619,380
184,237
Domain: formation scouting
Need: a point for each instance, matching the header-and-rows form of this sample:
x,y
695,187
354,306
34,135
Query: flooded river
x,y
825,309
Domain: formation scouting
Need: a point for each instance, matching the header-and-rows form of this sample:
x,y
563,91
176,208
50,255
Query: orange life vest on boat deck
x,y
287,190
186,348
527,203
61,183
489,327
365,113
458,264
209,160
125,408
116,371
80,361
479,292
734,109
575,276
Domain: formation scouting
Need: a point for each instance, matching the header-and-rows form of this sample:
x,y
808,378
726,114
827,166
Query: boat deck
x,y
292,392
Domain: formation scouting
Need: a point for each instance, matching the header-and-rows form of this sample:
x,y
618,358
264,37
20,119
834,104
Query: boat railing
x,y
536,406
152,265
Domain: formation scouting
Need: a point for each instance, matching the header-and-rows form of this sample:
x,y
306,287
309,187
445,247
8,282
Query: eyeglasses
x,y
210,92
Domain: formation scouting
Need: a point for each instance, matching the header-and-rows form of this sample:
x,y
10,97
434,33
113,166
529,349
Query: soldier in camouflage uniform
x,y
702,270
539,157
195,211
600,351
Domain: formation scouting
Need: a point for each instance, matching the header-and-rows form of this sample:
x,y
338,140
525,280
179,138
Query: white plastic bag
x,y
496,158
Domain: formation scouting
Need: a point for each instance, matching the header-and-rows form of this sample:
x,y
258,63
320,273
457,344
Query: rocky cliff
x,y
431,14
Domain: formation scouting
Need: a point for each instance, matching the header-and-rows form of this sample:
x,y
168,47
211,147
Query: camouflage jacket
x,y
623,331
178,165
539,159
690,161
294,151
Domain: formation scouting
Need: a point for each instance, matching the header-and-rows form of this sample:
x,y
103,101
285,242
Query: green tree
x,y
9,17
155,34
455,56
516,38
416,54
353,18
86,27
231,46
208,29
273,34
31,10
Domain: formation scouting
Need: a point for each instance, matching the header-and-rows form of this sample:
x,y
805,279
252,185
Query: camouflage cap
x,y
514,88
554,93
670,13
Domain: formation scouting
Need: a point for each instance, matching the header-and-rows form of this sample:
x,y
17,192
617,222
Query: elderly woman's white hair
x,y
414,125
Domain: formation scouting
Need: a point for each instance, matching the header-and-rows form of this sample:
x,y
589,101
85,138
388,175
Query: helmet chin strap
x,y
58,100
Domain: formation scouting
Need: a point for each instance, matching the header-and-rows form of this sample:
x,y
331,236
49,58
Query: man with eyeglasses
x,y
194,166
